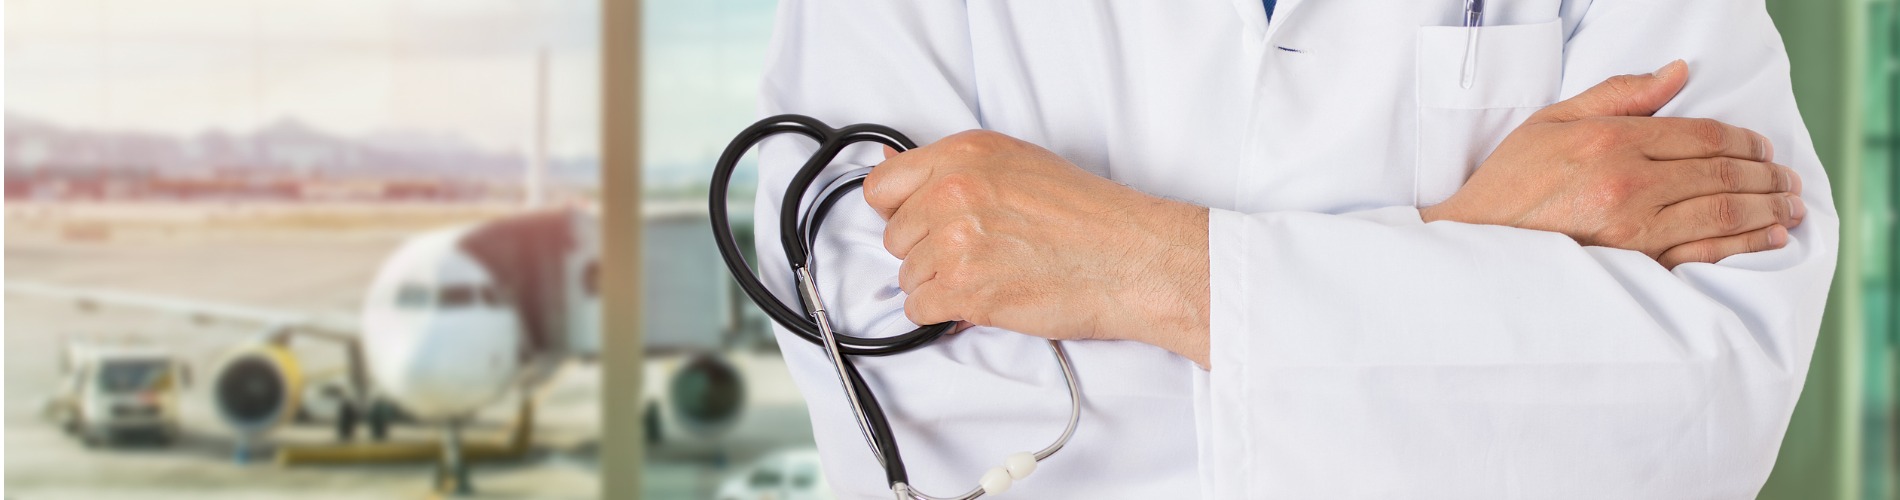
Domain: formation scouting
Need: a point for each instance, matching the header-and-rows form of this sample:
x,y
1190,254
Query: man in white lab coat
x,y
1349,252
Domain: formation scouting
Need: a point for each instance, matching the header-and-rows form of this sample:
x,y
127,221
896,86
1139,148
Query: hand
x,y
995,231
1599,169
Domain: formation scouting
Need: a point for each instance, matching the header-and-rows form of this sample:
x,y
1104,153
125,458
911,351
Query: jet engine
x,y
702,397
255,388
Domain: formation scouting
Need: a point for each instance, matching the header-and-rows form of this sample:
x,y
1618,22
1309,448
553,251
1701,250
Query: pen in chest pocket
x,y
1474,19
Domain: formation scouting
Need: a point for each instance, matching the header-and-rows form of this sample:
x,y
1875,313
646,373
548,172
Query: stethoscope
x,y
798,232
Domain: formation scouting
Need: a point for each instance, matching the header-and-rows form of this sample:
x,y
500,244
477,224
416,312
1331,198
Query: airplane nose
x,y
453,366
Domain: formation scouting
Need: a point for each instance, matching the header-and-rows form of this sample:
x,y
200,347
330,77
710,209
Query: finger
x,y
929,304
908,226
1728,214
960,327
893,182
1688,179
1686,138
1626,95
889,152
1715,249
920,268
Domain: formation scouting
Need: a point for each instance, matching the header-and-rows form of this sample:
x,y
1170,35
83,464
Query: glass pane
x,y
254,170
702,66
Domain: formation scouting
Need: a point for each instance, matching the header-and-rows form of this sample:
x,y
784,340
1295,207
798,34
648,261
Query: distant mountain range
x,y
288,146
39,147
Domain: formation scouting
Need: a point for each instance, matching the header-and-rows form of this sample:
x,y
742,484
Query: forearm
x,y
1168,305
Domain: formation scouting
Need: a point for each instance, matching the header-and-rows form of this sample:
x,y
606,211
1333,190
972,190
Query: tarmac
x,y
297,259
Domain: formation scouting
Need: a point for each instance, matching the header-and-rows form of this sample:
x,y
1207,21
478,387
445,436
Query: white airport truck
x,y
111,393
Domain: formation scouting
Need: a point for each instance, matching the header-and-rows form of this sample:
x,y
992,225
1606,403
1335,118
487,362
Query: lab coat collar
x,y
1253,15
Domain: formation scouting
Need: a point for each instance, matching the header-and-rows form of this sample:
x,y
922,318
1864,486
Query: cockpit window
x,y
454,296
412,297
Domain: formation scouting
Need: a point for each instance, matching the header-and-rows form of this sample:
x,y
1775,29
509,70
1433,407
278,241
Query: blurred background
x,y
274,249
351,249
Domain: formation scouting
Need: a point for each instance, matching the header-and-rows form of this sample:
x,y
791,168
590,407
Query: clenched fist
x,y
995,231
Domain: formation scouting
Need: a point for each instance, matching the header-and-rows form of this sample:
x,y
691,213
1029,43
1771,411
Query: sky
x,y
462,68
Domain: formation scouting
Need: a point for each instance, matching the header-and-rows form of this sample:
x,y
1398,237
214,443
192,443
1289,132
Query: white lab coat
x,y
1357,352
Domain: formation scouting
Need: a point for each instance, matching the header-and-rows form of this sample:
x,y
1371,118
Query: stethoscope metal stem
x,y
815,303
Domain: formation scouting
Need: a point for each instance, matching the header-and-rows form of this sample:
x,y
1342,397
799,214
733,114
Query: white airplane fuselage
x,y
444,335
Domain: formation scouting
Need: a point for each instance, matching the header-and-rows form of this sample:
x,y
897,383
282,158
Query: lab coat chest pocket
x,y
1474,91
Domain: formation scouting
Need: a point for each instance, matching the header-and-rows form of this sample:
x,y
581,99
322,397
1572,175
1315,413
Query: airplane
x,y
456,319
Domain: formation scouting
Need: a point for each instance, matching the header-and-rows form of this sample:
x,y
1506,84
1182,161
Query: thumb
x,y
1625,95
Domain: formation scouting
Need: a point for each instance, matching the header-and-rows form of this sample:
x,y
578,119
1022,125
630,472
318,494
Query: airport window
x,y
312,142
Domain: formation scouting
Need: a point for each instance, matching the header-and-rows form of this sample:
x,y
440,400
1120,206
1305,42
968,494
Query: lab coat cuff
x,y
1391,216
1224,401
1222,404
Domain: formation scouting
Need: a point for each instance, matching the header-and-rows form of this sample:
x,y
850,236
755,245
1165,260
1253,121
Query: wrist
x,y
1166,301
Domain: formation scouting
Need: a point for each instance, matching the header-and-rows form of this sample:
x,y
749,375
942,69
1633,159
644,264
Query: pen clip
x,y
1470,72
1474,19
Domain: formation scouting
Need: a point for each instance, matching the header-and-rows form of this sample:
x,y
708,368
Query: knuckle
x,y
973,141
1725,212
1615,189
1701,251
961,234
1620,85
1597,138
1674,256
907,276
957,188
1707,133
874,183
979,316
1727,173
914,310
890,241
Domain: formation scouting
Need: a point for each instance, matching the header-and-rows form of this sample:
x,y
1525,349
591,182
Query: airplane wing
x,y
281,326
333,327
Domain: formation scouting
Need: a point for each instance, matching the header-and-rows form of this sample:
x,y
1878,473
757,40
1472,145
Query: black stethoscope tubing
x,y
797,236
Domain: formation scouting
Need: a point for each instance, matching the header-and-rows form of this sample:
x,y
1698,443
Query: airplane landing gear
x,y
451,475
376,414
346,422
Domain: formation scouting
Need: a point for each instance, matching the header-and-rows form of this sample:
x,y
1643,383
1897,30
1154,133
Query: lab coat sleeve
x,y
1372,355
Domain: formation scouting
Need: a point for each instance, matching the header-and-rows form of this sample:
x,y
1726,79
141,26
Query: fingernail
x,y
1795,186
1796,208
1666,70
1778,236
1787,182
